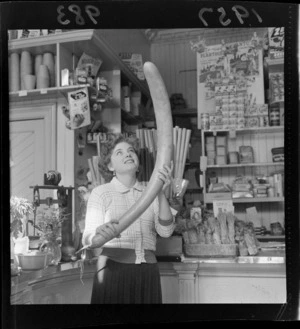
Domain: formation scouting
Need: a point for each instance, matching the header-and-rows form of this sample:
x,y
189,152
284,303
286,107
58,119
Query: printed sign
x,y
79,105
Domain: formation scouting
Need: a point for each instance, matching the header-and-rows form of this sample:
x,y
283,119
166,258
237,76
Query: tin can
x,y
204,121
264,121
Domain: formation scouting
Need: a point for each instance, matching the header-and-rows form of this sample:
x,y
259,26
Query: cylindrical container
x,y
271,192
204,121
48,60
38,60
271,181
14,72
274,114
25,65
43,78
29,81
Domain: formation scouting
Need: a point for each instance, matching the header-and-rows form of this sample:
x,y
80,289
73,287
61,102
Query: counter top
x,y
31,277
263,257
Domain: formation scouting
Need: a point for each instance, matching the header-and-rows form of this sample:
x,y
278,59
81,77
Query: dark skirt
x,y
119,283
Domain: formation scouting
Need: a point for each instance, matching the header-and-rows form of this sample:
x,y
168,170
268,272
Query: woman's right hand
x,y
108,230
105,231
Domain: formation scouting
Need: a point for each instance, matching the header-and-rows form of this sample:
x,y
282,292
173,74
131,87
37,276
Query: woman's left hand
x,y
165,175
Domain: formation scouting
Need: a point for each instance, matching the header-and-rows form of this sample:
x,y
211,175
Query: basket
x,y
33,261
210,250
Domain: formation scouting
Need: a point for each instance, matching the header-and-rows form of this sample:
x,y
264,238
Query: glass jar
x,y
53,250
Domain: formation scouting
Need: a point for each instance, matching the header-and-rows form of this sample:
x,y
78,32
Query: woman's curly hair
x,y
107,149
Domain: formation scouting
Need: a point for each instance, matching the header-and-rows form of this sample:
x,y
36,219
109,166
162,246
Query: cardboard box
x,y
221,150
221,141
210,147
211,154
221,159
210,140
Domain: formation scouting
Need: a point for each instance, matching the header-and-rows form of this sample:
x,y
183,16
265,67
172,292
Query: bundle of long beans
x,y
181,141
96,177
148,148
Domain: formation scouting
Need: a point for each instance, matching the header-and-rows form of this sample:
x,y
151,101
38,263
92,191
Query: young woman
x,y
127,269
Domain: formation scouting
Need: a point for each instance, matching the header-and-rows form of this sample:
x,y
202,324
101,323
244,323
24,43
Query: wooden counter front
x,y
188,281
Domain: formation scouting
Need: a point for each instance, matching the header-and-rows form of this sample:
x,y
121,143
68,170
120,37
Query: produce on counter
x,y
192,235
208,233
215,227
250,239
230,223
245,235
225,230
201,233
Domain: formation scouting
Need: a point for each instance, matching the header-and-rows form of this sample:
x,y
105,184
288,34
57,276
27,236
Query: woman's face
x,y
123,159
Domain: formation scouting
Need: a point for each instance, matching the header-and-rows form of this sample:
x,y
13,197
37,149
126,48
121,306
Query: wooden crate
x,y
210,250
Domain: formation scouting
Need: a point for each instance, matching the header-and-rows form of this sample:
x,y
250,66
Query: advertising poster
x,y
237,66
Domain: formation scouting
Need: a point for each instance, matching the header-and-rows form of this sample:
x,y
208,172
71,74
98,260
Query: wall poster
x,y
229,78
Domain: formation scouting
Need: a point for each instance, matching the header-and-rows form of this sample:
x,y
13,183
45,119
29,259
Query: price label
x,y
44,91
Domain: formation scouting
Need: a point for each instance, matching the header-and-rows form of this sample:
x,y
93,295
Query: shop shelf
x,y
185,112
255,200
269,237
238,165
53,91
272,129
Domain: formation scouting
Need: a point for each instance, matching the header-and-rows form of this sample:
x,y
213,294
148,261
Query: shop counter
x,y
251,279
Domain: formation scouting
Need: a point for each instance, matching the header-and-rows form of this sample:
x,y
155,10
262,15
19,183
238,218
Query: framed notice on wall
x,y
226,72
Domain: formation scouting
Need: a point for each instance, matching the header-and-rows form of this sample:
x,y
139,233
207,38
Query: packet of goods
x,y
79,108
250,239
196,214
201,233
276,42
242,188
89,64
246,154
135,63
218,187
